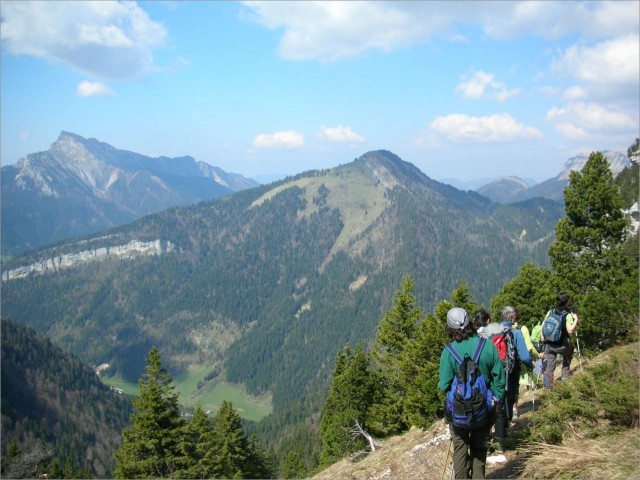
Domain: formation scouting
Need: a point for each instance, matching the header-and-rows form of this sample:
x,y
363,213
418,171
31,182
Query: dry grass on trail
x,y
610,458
416,454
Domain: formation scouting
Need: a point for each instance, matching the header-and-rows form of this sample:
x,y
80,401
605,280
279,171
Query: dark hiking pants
x,y
469,451
551,353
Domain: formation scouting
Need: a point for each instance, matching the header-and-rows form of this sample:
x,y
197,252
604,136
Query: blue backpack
x,y
553,326
469,402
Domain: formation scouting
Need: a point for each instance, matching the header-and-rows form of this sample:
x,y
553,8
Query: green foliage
x,y
395,330
419,372
461,297
590,258
531,292
151,445
629,182
603,399
353,391
586,250
51,398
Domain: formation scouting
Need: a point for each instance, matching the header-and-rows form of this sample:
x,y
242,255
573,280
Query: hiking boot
x,y
564,378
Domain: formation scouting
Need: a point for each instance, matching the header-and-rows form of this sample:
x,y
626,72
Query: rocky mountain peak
x,y
618,160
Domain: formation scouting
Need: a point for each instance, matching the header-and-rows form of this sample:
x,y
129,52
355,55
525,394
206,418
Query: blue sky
x,y
461,89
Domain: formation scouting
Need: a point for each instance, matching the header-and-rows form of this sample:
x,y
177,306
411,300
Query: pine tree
x,y
396,328
228,452
586,252
193,446
590,259
460,297
420,363
150,447
531,292
353,391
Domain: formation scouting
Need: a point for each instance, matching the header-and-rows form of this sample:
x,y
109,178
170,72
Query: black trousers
x,y
469,451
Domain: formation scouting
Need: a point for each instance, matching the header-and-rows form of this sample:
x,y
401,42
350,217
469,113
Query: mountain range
x,y
261,288
514,189
81,186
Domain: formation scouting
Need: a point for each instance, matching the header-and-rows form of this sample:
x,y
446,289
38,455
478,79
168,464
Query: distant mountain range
x,y
81,186
514,189
263,287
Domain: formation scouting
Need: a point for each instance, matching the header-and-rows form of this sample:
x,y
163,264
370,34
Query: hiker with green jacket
x,y
470,445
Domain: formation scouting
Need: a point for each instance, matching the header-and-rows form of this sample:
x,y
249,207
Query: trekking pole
x,y
446,461
575,308
579,354
533,392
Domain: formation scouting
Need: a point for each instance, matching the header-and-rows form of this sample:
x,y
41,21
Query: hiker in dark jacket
x,y
470,446
509,316
564,347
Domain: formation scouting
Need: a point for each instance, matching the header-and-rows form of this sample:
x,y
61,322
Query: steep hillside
x,y
595,443
264,286
82,186
50,396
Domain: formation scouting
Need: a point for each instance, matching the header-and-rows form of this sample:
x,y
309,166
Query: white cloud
x,y
340,134
557,19
329,31
109,39
580,121
285,139
493,128
92,89
482,84
614,62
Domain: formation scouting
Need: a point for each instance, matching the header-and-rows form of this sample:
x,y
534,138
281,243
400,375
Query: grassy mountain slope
x,y
50,396
264,286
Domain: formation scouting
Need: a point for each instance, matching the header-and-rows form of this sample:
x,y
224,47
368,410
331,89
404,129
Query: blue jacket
x,y
521,347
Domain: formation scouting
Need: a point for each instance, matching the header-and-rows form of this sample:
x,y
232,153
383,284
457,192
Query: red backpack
x,y
504,342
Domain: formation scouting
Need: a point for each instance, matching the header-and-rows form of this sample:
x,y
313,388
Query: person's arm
x,y
446,373
498,377
528,343
523,352
571,322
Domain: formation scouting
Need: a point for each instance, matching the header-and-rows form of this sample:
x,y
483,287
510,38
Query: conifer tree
x,y
589,258
353,391
193,446
460,297
586,251
150,447
228,452
531,292
420,363
396,328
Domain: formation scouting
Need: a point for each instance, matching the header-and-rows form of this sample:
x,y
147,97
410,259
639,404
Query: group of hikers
x,y
481,370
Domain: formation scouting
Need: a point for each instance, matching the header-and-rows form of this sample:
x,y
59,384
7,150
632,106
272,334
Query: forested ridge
x,y
264,265
51,397
290,271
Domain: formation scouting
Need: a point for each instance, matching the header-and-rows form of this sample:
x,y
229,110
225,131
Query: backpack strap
x,y
478,350
476,353
454,353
